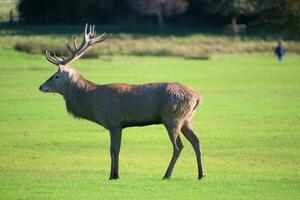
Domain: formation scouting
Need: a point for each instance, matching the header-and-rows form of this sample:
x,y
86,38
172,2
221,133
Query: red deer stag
x,y
117,106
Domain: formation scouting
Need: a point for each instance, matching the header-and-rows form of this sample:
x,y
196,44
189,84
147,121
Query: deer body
x,y
126,105
117,106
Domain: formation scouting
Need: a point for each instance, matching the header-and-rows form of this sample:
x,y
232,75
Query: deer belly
x,y
140,117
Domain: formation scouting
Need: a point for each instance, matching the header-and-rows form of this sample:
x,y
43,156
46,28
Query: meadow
x,y
249,125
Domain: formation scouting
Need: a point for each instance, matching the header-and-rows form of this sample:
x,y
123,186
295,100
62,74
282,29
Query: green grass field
x,y
249,125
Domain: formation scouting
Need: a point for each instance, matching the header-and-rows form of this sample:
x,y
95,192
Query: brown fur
x,y
117,106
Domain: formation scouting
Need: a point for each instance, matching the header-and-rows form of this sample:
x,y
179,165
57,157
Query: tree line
x,y
277,15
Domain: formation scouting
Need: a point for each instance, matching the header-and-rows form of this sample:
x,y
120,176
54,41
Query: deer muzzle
x,y
44,88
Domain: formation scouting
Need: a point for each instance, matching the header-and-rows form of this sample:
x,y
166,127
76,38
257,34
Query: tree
x,y
70,11
34,11
280,15
159,8
231,8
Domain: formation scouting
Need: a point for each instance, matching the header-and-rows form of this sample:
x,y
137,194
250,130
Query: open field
x,y
249,125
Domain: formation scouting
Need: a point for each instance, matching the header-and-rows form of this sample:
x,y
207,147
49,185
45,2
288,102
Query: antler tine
x,y
77,51
86,33
51,59
94,32
57,58
68,46
64,58
75,43
48,56
101,38
91,30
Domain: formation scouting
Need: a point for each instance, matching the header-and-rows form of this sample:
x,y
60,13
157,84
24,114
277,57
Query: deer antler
x,y
76,52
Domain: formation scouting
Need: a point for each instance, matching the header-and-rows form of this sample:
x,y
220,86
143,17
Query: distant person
x,y
280,51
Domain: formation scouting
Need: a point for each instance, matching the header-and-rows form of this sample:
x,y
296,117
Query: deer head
x,y
57,82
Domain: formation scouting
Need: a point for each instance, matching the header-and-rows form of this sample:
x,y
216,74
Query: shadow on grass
x,y
197,58
164,53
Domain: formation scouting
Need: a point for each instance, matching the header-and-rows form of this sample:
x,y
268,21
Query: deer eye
x,y
56,77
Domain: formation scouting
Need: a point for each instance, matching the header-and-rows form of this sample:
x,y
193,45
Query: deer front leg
x,y
115,143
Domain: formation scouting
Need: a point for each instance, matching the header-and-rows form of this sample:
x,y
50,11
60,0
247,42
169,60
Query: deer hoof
x,y
166,178
114,178
201,176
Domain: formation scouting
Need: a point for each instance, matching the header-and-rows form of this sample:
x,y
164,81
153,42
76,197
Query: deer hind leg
x,y
177,147
115,143
193,139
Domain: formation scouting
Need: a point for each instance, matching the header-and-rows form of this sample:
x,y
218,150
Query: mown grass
x,y
248,124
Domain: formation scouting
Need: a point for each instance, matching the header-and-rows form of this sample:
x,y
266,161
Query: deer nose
x,y
42,88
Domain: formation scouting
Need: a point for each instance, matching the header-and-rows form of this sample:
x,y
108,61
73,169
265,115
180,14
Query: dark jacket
x,y
279,51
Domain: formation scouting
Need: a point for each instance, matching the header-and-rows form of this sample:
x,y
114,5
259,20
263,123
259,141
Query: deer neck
x,y
78,96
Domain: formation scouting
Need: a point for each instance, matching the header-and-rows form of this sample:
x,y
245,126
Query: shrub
x,y
36,47
190,47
